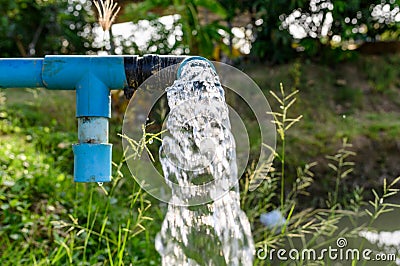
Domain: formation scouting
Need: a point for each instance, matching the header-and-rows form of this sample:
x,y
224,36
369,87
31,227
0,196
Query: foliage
x,y
45,217
351,23
329,26
159,39
104,234
37,28
66,27
198,37
313,228
283,123
383,74
270,41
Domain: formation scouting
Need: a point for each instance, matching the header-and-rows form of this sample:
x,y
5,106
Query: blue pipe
x,y
21,72
92,77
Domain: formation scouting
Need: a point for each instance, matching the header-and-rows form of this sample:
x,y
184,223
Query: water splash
x,y
198,154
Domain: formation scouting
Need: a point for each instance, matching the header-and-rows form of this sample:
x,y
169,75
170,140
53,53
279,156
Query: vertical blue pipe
x,y
92,77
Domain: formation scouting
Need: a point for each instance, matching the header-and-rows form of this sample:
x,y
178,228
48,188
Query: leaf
x,y
276,97
261,174
381,211
290,104
333,167
392,205
278,123
288,218
293,122
384,186
67,249
212,6
74,220
273,151
103,226
369,213
345,173
275,113
390,194
291,95
394,182
330,157
80,232
375,194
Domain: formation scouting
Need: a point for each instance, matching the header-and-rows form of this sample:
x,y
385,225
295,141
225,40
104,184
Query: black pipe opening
x,y
138,69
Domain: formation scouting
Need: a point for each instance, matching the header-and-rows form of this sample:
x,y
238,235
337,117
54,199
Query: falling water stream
x,y
204,224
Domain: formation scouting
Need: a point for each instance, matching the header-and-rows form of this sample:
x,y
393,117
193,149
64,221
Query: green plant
x,y
283,123
382,75
36,28
306,227
342,168
112,243
97,236
295,74
351,98
379,205
197,37
47,219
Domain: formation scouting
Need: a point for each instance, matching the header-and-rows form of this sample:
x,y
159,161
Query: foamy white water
x,y
199,149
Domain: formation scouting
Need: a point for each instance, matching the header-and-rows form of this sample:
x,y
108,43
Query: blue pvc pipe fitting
x,y
92,97
92,162
92,77
64,72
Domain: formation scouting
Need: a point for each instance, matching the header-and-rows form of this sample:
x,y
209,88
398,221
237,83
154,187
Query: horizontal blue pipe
x,y
61,72
21,73
65,72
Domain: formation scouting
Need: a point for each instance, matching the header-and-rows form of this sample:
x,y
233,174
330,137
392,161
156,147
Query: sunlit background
x,y
340,59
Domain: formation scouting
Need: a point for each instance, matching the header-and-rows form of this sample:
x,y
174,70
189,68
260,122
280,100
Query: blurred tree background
x,y
272,31
36,28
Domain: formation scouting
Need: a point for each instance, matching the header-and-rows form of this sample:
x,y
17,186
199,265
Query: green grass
x,y
307,227
48,219
338,101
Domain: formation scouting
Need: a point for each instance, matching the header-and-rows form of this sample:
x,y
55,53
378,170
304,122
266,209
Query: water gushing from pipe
x,y
199,149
